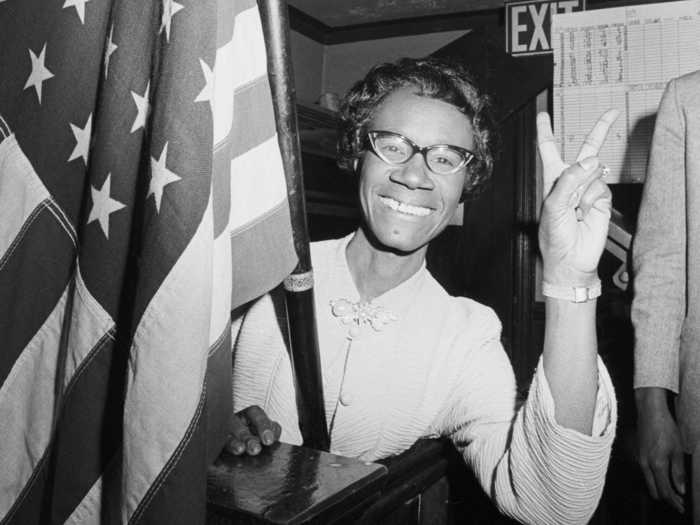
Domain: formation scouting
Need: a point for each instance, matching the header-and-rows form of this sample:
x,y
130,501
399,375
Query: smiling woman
x,y
402,359
406,204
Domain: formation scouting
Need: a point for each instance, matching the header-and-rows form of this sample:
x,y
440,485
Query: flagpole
x,y
298,286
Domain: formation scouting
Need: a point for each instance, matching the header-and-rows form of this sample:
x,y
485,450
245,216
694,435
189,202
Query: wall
x,y
334,68
347,63
307,61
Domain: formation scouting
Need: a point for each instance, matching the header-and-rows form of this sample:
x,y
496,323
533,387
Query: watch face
x,y
580,295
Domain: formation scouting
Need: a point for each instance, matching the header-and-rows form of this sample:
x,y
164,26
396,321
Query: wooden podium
x,y
288,485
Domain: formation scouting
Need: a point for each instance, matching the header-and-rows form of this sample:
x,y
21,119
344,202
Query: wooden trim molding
x,y
308,25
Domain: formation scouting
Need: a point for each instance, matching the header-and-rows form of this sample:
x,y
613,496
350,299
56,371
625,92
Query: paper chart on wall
x,y
619,57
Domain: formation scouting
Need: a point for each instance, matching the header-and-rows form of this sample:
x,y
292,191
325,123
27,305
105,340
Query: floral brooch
x,y
360,314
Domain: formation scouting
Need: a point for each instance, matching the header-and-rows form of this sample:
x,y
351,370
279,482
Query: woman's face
x,y
406,206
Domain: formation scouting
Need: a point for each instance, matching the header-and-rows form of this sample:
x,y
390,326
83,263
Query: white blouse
x,y
417,363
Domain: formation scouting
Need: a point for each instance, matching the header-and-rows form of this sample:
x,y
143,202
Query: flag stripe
x,y
27,406
85,439
183,476
240,61
89,511
90,325
85,433
257,172
219,398
250,251
221,186
171,373
32,280
29,508
226,21
228,11
88,434
250,56
216,420
221,289
21,192
224,89
253,103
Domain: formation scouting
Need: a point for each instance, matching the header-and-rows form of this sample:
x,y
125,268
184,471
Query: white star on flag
x,y
82,140
142,108
39,72
170,8
79,7
161,176
109,49
207,93
103,205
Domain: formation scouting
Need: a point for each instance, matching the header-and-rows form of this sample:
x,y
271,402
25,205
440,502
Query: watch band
x,y
575,294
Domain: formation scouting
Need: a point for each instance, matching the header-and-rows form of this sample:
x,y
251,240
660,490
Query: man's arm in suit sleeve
x,y
659,253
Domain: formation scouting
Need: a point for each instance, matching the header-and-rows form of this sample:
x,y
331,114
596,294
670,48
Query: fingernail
x,y
605,171
254,448
238,449
267,437
589,163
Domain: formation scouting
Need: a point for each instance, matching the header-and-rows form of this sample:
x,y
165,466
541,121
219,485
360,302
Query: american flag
x,y
142,197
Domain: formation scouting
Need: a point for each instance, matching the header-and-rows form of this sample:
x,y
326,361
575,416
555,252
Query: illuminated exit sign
x,y
528,24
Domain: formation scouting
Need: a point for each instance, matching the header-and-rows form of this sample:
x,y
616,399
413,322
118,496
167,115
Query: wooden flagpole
x,y
298,286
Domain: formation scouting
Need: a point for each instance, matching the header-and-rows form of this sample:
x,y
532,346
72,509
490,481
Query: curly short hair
x,y
436,78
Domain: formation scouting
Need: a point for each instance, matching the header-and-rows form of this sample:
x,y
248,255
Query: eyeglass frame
x,y
467,156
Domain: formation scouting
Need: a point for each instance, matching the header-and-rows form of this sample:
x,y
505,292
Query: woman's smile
x,y
406,208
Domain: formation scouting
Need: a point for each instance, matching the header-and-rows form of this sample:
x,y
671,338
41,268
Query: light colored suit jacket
x,y
666,258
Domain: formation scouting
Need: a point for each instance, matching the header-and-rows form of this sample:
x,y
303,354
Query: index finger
x,y
595,139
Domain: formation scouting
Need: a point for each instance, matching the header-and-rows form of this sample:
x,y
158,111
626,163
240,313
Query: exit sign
x,y
528,24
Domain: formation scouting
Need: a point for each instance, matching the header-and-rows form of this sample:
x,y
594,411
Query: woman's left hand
x,y
576,208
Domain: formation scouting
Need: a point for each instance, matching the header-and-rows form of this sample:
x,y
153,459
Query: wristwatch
x,y
575,294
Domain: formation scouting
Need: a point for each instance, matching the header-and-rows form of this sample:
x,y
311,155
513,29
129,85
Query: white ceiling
x,y
336,13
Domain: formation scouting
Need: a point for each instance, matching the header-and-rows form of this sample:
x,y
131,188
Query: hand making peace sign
x,y
576,209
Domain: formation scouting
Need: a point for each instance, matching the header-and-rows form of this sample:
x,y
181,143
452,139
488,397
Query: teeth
x,y
405,208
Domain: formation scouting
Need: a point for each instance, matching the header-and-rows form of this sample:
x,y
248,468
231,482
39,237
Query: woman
x,y
402,359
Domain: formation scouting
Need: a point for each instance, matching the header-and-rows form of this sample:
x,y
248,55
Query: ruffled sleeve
x,y
534,469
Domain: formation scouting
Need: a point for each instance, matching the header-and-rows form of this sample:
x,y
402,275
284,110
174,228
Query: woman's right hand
x,y
251,430
576,209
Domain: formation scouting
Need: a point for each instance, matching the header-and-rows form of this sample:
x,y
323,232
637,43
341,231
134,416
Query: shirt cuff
x,y
605,414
